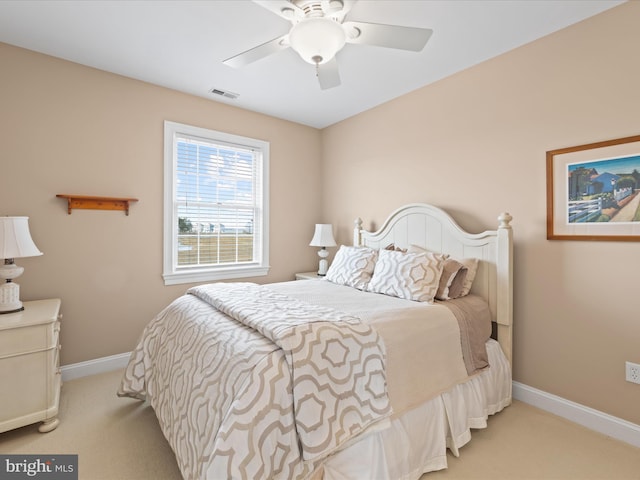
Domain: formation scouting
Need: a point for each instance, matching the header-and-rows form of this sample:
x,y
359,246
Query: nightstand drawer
x,y
29,392
29,339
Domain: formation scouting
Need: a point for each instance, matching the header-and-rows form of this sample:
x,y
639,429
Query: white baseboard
x,y
587,417
92,367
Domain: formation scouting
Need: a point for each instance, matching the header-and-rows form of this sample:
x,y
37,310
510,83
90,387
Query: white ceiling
x,y
181,45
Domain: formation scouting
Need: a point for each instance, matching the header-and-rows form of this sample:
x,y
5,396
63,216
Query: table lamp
x,y
323,237
15,242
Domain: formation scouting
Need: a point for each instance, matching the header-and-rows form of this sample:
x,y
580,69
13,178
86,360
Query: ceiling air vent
x,y
222,93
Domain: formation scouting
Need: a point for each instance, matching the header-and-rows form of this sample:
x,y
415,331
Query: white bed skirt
x,y
417,441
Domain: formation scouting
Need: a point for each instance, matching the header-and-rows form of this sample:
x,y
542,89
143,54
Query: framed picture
x,y
593,191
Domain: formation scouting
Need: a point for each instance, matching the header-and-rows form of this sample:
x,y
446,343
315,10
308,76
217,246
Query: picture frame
x,y
593,191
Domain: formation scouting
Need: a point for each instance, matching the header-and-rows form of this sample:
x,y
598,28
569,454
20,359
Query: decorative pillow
x,y
352,266
456,287
460,284
392,246
472,269
418,249
413,276
452,280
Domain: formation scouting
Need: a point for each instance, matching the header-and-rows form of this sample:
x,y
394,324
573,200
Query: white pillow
x,y
413,276
352,266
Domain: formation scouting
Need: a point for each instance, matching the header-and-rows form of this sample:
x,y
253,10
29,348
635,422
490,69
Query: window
x,y
215,205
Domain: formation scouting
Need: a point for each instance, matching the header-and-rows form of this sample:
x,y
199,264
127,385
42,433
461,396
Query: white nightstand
x,y
29,366
308,276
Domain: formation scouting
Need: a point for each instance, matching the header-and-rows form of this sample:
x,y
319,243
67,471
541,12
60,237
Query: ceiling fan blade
x,y
328,74
390,36
282,8
259,52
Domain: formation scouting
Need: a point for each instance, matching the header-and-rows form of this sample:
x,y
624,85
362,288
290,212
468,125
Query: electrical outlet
x,y
633,372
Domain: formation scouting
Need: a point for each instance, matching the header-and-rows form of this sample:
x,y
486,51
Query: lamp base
x,y
10,298
323,265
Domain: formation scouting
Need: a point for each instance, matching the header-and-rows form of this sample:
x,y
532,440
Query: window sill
x,y
177,278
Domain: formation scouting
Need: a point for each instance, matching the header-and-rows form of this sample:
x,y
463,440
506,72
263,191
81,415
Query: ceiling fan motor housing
x,y
317,8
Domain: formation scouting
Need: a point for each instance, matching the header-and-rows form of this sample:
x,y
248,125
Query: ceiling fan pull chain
x,y
317,59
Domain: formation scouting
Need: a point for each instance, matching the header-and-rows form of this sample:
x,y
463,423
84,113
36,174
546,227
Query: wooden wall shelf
x,y
97,203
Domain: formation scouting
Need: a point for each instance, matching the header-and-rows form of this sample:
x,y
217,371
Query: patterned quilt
x,y
250,383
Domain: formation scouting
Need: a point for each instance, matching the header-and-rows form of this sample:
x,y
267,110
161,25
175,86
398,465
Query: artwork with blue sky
x,y
619,166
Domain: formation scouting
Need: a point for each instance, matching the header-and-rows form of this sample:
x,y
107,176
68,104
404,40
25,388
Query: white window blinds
x,y
218,204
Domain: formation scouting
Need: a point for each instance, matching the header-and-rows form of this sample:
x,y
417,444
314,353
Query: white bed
x,y
236,404
417,442
433,228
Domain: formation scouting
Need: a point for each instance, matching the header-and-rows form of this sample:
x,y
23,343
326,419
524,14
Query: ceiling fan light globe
x,y
317,40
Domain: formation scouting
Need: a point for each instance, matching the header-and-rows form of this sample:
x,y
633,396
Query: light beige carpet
x,y
119,439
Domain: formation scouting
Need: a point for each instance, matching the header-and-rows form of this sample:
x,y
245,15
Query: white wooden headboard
x,y
433,228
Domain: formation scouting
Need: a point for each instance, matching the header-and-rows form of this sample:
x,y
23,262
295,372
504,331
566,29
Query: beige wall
x,y
72,129
475,145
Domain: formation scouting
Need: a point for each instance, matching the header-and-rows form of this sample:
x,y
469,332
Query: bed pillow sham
x,y
418,249
412,276
392,246
352,266
452,280
472,269
458,283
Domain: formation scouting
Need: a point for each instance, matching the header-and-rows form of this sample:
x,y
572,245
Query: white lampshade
x,y
317,39
323,236
15,242
15,238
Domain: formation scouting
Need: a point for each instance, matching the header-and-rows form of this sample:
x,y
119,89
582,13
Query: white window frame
x,y
172,274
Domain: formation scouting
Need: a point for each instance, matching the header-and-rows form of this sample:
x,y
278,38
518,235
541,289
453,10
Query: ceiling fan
x,y
319,31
